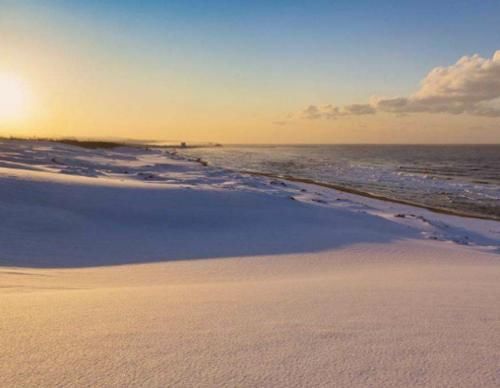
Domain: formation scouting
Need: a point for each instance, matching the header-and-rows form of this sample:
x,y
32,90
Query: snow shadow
x,y
57,225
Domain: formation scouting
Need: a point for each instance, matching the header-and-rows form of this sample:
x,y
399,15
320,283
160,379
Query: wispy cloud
x,y
470,86
314,112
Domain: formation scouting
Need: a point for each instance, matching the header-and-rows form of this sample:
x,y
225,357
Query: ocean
x,y
457,178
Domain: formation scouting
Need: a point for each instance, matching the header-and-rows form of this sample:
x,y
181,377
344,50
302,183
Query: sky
x,y
252,71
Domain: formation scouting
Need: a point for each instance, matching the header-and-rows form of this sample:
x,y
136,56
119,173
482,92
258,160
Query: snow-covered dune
x,y
134,266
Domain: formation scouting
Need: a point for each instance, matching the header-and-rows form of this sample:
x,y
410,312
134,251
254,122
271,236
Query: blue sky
x,y
373,42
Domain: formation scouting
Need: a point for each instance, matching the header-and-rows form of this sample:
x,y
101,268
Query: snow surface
x,y
137,267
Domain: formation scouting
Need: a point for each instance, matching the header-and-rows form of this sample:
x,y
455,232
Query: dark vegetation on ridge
x,y
104,144
91,144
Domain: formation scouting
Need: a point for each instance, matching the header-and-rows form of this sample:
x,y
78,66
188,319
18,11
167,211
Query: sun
x,y
14,98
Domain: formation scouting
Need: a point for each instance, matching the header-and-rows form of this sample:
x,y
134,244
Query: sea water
x,y
460,178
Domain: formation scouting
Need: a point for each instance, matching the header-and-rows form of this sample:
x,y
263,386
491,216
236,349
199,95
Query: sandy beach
x,y
137,267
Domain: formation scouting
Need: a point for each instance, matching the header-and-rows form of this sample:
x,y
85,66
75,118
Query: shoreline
x,y
348,190
176,151
373,196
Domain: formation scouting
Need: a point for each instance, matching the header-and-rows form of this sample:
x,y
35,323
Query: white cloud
x,y
471,86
